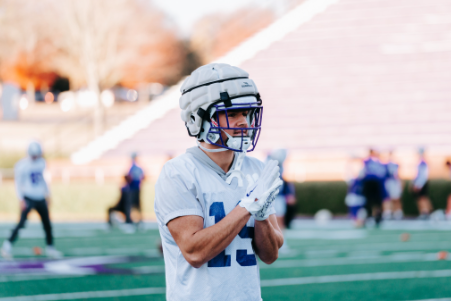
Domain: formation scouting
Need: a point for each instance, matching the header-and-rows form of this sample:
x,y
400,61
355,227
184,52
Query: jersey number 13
x,y
223,260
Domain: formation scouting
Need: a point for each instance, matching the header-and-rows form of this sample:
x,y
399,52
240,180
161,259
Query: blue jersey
x,y
356,186
354,198
136,175
374,170
286,189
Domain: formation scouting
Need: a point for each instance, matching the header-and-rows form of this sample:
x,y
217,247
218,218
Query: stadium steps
x,y
360,73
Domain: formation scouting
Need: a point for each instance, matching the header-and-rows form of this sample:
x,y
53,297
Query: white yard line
x,y
368,246
440,299
400,257
355,277
33,277
90,295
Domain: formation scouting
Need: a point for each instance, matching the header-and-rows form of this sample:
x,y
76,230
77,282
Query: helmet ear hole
x,y
193,119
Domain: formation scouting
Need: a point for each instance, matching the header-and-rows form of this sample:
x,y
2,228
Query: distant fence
x,y
313,196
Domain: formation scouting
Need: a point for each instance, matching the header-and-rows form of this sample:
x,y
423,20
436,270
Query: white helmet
x,y
34,149
279,155
216,88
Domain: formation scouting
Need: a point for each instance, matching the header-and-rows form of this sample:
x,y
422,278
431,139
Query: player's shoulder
x,y
22,162
179,165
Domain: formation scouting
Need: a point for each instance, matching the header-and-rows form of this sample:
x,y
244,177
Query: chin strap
x,y
237,173
233,142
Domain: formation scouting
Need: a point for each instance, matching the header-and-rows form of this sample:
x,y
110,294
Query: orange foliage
x,y
159,56
28,68
215,35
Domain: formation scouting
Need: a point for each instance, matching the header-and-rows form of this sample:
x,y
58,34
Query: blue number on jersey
x,y
223,260
242,257
35,177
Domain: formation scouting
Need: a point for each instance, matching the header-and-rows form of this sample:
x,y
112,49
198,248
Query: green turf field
x,y
328,262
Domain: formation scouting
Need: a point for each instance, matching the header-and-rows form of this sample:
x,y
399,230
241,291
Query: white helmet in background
x,y
279,155
216,88
34,149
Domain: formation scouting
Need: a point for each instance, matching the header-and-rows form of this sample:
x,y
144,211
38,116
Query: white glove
x,y
270,196
263,190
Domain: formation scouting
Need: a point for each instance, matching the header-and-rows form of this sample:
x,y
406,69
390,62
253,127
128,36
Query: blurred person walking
x,y
33,193
373,178
136,175
393,186
420,187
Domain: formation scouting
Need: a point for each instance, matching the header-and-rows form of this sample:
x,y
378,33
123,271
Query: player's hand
x,y
269,197
23,205
260,194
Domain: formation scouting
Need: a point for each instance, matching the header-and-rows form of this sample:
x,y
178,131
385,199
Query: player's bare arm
x,y
268,239
199,244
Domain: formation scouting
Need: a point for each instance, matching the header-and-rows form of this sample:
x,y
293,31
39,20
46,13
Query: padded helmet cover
x,y
203,88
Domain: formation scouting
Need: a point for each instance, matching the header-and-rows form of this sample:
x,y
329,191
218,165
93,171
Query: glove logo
x,y
249,193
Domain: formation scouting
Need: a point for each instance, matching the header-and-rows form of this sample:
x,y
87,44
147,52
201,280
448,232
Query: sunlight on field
x,y
77,201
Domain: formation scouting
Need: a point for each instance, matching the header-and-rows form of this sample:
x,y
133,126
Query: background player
x,y
393,186
373,177
213,203
448,202
286,194
356,202
420,187
33,193
124,205
136,176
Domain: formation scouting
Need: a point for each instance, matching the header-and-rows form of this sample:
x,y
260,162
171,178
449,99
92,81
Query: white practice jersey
x,y
192,184
29,178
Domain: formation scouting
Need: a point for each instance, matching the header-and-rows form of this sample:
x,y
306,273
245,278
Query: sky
x,y
185,13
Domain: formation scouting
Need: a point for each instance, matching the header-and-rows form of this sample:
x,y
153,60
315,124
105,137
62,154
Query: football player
x,y
420,187
285,197
123,205
373,178
393,186
213,203
356,202
136,176
448,201
33,193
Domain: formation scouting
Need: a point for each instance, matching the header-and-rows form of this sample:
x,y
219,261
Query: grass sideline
x,y
325,262
77,201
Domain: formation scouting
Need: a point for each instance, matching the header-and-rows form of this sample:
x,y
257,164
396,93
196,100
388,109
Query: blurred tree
x,y
101,43
24,55
216,34
95,44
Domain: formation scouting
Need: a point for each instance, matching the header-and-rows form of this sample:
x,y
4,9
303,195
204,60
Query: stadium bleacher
x,y
359,74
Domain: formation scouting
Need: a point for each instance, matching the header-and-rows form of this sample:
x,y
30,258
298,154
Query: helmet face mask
x,y
248,137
